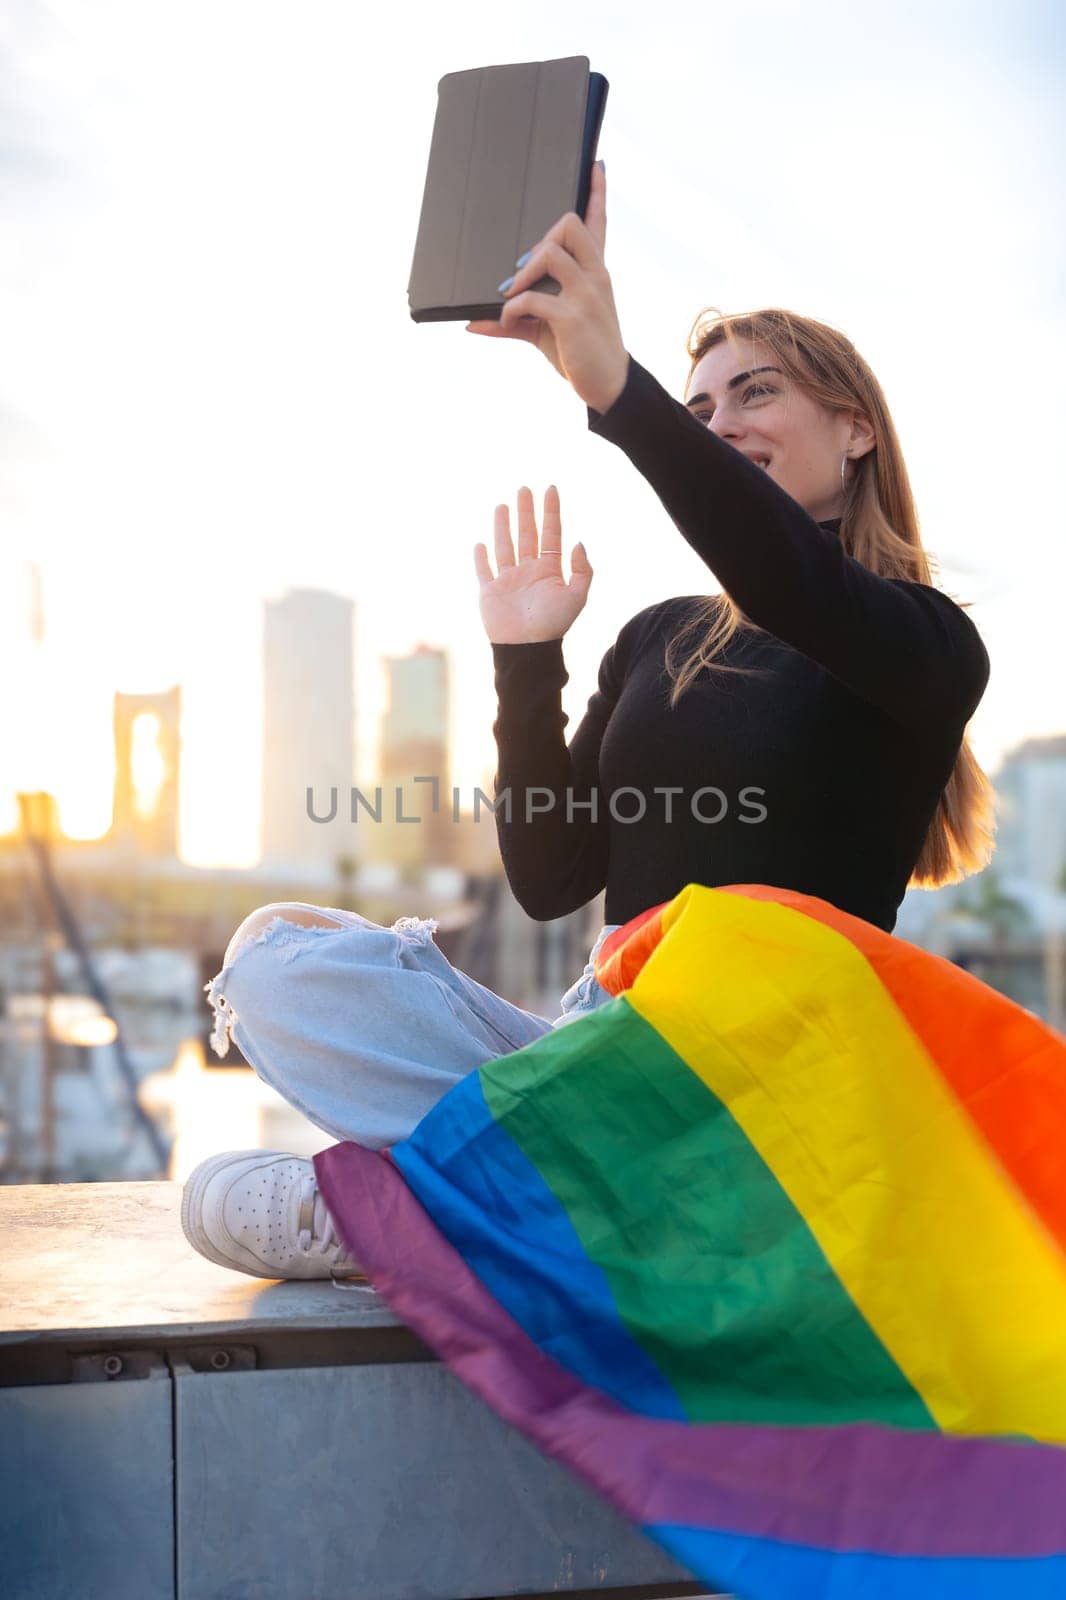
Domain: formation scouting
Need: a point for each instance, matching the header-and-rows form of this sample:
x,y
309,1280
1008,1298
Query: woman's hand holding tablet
x,y
576,328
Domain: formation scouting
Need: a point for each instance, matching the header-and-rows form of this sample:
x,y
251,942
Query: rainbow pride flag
x,y
770,1250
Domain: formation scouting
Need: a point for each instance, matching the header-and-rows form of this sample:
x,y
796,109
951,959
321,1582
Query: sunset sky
x,y
211,388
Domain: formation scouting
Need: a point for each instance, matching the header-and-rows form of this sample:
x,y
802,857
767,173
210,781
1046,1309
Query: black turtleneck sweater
x,y
820,772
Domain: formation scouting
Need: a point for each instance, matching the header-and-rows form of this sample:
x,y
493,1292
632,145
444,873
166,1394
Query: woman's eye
x,y
753,388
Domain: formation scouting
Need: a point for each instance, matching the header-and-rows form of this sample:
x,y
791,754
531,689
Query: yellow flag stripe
x,y
787,1023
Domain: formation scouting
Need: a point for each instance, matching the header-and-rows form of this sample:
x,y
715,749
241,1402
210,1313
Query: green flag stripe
x,y
713,1269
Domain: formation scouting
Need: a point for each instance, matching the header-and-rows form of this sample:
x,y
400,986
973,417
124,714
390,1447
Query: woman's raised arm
x,y
905,647
554,853
551,821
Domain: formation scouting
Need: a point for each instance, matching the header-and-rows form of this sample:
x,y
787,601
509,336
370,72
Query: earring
x,y
843,485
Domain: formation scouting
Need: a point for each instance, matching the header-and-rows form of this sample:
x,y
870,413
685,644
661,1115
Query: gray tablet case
x,y
512,150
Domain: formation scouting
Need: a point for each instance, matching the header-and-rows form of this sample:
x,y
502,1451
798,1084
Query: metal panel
x,y
380,1483
87,1491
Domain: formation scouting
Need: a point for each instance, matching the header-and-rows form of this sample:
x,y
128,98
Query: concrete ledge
x,y
171,1430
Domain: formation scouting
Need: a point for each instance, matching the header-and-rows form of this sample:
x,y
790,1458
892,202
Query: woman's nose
x,y
724,426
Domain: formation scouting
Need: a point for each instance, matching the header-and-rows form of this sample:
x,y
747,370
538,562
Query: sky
x,y
211,389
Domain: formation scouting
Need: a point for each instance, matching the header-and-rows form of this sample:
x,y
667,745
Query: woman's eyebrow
x,y
697,399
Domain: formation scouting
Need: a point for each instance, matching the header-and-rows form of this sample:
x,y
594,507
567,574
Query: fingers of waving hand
x,y
548,548
527,526
545,551
580,572
551,537
503,544
501,535
580,568
482,566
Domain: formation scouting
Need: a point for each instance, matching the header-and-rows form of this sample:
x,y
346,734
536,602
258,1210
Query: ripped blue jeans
x,y
363,1028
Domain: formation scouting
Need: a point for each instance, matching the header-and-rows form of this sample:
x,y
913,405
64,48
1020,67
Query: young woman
x,y
806,728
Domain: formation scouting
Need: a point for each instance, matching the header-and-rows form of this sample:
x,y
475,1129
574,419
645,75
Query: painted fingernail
x,y
523,259
502,288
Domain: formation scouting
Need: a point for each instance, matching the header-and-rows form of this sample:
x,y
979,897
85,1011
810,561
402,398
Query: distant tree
x,y
1002,914
345,868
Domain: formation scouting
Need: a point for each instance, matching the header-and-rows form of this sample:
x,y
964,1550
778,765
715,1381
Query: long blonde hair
x,y
879,527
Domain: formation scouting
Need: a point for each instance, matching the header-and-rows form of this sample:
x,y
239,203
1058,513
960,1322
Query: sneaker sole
x,y
191,1207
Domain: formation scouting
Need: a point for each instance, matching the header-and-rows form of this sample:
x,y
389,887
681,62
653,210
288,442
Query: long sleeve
x,y
902,646
554,864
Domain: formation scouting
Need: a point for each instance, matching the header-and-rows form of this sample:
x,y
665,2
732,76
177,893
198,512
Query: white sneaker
x,y
261,1211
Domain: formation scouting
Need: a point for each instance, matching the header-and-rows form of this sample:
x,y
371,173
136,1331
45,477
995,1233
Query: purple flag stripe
x,y
858,1486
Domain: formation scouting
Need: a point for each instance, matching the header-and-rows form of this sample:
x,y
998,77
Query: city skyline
x,y
413,731
412,739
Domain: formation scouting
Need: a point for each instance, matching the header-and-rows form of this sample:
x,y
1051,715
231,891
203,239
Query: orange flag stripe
x,y
968,1028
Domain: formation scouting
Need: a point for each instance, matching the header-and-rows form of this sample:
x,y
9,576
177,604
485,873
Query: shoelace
x,y
314,1221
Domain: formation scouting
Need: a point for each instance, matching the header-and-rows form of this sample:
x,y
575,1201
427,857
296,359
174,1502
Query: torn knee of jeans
x,y
416,930
293,937
222,1027
285,935
289,938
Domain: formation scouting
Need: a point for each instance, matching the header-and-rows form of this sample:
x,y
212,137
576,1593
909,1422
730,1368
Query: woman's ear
x,y
863,438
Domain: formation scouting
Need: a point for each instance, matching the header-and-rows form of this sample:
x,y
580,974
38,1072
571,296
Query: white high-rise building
x,y
416,721
414,745
308,731
1031,836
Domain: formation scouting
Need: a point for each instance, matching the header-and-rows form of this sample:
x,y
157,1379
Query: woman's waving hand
x,y
529,599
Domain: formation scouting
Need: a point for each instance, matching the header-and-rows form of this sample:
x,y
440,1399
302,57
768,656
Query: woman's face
x,y
767,417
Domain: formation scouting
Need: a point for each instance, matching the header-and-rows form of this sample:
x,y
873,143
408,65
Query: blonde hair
x,y
879,527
